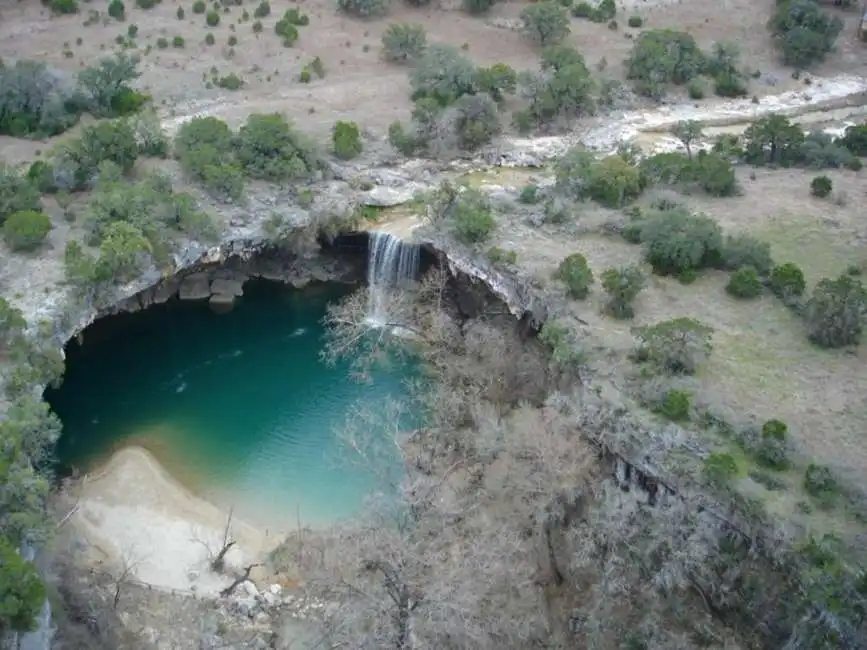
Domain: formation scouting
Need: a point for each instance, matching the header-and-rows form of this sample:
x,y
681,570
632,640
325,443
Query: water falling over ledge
x,y
392,263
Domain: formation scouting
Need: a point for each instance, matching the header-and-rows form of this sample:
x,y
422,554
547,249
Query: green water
x,y
237,406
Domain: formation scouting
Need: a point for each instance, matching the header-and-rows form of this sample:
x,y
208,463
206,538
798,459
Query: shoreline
x,y
135,515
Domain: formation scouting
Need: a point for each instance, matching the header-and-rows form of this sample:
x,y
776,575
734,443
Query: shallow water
x,y
237,406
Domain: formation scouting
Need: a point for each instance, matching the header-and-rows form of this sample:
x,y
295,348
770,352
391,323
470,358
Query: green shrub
x,y
803,32
787,281
17,193
743,250
22,591
403,42
476,121
820,482
317,67
295,17
212,19
132,30
719,469
286,30
744,283
676,241
821,186
834,315
305,76
346,139
529,194
268,147
117,10
64,6
258,27
180,13
232,42
230,81
622,286
855,139
613,182
773,140
162,43
675,405
545,23
697,88
262,10
730,84
178,41
497,255
123,252
772,449
209,39
147,4
635,22
443,74
574,272
199,7
662,56
364,8
676,346
25,231
472,217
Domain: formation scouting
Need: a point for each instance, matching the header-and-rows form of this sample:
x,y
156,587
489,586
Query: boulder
x,y
227,287
221,303
387,197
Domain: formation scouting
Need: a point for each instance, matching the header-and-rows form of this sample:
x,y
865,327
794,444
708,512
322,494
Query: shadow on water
x,y
238,406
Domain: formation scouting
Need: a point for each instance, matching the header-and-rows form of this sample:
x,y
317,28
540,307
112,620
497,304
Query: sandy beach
x,y
134,514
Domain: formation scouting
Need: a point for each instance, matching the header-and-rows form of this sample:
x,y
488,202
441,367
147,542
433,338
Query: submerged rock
x,y
222,303
195,287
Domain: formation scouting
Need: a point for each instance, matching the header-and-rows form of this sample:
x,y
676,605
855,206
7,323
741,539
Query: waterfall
x,y
391,263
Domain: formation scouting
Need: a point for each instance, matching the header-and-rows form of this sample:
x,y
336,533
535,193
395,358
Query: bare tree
x,y
245,575
687,131
217,559
124,573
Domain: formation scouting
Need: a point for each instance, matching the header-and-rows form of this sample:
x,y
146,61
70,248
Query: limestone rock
x,y
221,303
387,197
165,290
227,287
195,287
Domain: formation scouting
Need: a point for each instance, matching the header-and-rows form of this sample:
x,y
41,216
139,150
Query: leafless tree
x,y
120,576
245,575
217,559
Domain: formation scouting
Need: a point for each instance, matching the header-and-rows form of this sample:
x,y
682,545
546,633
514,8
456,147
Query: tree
x,y
105,86
744,250
12,322
34,100
22,592
835,312
773,140
476,121
687,131
574,272
79,161
787,281
744,283
564,89
268,147
497,81
622,286
346,139
403,42
123,253
804,32
477,7
443,74
676,346
472,217
17,193
25,231
676,241
613,181
545,23
663,56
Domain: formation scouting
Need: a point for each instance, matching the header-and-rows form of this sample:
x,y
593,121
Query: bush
x,y
697,88
21,589
476,121
676,346
599,13
147,4
545,23
180,13
719,468
34,100
204,148
714,173
730,84
744,283
477,7
443,74
773,140
472,217
262,10
123,253
25,231
772,448
230,81
403,42
662,56
676,241
162,43
743,250
497,255
64,6
855,139
787,281
565,89
820,482
497,81
821,186
199,7
286,30
574,272
803,31
346,139
364,8
178,41
117,10
258,27
635,22
209,39
212,19
529,194
105,88
613,182
17,193
835,312
674,405
269,148
622,286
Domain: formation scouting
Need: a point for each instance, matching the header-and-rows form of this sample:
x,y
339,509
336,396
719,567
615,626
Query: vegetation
x,y
787,281
346,139
472,217
545,23
676,241
835,312
622,286
442,74
677,346
821,186
574,272
25,231
745,283
364,8
663,56
403,42
611,181
804,32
